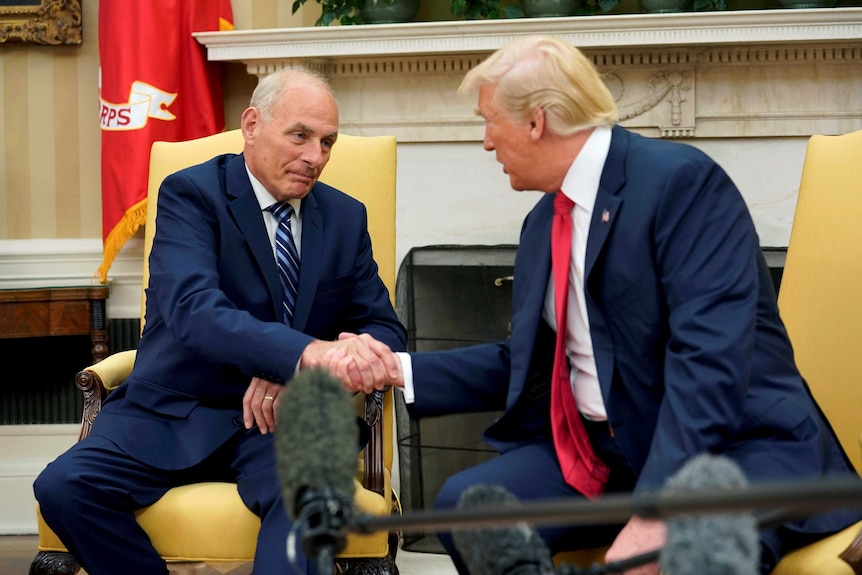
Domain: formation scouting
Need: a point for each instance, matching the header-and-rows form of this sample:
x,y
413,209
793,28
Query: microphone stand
x,y
798,498
324,517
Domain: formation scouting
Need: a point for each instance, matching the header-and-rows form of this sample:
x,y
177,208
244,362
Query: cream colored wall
x,y
49,130
49,148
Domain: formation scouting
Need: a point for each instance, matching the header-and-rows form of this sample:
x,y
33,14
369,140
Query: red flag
x,y
155,85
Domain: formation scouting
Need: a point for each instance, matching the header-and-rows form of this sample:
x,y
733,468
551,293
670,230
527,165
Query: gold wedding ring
x,y
269,397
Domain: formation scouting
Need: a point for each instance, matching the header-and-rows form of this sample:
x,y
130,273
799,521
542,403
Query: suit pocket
x,y
785,419
160,399
336,285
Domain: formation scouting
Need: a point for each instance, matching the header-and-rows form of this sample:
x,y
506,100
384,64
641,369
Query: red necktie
x,y
581,467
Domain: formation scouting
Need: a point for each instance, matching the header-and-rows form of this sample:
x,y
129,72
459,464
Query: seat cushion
x,y
186,525
820,558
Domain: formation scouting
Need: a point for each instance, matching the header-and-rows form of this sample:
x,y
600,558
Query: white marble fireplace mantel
x,y
756,73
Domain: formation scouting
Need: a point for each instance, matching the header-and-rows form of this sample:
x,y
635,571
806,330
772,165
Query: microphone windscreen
x,y
516,549
710,544
315,438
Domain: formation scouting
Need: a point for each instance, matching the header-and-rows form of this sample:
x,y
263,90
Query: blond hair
x,y
545,72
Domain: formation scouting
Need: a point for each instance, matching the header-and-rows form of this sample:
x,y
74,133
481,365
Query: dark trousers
x,y
89,494
532,472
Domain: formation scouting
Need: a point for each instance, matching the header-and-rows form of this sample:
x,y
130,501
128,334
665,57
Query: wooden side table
x,y
57,311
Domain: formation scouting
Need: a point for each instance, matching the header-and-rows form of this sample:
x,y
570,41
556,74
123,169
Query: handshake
x,y
360,362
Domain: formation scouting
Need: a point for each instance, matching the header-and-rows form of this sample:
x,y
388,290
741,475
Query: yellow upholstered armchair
x,y
820,305
207,522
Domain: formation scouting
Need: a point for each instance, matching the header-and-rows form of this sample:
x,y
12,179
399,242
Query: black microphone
x,y
512,550
710,544
316,459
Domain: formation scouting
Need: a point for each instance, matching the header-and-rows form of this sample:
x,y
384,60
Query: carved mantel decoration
x,y
51,22
756,73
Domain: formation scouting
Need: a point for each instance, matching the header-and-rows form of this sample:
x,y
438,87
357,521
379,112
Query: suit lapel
x,y
245,210
608,203
539,246
605,214
309,266
532,272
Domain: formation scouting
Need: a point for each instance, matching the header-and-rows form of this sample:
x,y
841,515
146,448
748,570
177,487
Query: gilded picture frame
x,y
49,22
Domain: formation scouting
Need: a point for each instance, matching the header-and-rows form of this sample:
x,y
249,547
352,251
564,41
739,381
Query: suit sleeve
x,y
462,380
706,251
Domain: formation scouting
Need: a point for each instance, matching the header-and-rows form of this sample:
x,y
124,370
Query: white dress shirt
x,y
265,199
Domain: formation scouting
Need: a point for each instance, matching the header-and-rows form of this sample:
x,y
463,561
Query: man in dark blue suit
x,y
218,348
673,340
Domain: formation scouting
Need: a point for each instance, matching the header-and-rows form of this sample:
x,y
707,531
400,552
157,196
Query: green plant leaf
x,y
513,12
458,7
704,5
479,9
325,19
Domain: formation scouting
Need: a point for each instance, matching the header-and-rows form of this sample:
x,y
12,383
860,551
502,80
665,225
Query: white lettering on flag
x,y
145,101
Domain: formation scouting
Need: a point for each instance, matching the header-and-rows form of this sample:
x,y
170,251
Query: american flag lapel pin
x,y
606,216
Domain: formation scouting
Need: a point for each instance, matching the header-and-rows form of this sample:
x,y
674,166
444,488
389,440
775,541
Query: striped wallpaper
x,y
49,128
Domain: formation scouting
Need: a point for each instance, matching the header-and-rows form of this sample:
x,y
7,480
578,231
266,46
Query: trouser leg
x,y
88,497
260,489
531,472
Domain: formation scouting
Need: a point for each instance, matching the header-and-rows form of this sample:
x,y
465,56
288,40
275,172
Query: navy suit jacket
x,y
692,356
213,317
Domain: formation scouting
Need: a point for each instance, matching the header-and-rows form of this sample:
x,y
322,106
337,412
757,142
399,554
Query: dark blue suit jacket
x,y
692,356
213,318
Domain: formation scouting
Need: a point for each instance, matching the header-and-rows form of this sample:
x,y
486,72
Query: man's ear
x,y
537,123
250,119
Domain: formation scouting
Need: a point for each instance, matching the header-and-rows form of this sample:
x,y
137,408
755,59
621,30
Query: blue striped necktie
x,y
287,257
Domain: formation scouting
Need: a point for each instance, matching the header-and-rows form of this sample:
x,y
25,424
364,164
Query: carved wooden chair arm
x,y
373,454
97,380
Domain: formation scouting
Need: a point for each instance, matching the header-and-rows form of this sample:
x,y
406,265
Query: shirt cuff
x,y
407,371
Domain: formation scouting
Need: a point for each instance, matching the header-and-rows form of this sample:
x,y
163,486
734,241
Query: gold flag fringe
x,y
132,220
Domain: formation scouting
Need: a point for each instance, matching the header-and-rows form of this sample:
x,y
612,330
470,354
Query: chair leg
x,y
54,563
394,543
382,566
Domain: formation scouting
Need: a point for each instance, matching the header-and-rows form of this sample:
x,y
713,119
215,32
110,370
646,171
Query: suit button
x,y
237,421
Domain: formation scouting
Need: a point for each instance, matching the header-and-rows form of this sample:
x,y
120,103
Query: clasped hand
x,y
361,362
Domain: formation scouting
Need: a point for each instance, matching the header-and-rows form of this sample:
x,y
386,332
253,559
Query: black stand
x,y
323,520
